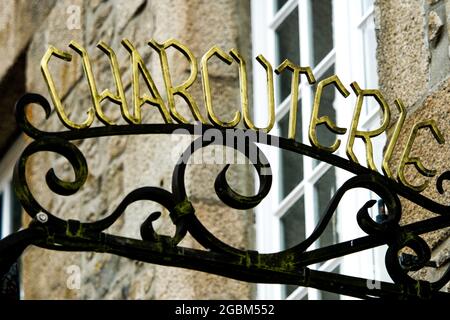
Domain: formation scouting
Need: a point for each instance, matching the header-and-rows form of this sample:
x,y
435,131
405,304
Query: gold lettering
x,y
270,98
180,90
316,120
138,66
118,98
95,96
52,51
390,149
215,51
243,86
296,71
366,135
170,113
406,159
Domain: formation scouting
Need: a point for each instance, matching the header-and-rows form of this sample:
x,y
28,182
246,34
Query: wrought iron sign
x,y
290,266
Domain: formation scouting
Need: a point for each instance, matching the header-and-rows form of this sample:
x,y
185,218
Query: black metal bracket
x,y
290,266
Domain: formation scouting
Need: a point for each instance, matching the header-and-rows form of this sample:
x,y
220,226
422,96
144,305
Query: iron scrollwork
x,y
290,266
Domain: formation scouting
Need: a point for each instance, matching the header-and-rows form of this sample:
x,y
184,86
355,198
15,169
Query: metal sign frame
x,y
290,266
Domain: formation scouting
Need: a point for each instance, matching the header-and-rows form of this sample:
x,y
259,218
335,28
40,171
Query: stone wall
x,y
18,19
118,165
414,65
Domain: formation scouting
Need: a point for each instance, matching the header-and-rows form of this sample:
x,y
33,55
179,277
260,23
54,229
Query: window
x,y
332,37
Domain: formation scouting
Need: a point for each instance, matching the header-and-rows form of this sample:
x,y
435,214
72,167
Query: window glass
x,y
293,223
291,162
288,48
293,231
325,189
324,135
322,29
280,4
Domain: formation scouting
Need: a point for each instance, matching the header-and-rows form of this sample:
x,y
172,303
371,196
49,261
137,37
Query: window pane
x,y
281,3
293,224
291,162
324,135
331,295
293,230
325,189
288,48
322,29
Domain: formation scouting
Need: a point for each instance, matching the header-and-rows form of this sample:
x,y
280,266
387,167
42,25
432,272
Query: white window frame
x,y
348,53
